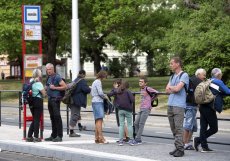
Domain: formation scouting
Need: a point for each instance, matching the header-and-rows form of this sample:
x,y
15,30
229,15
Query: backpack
x,y
203,94
27,94
154,99
193,83
108,107
67,98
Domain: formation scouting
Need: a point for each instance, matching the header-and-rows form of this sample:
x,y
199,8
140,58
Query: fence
x,y
18,106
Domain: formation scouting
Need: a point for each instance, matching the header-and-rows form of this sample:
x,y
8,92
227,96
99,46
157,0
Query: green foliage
x,y
116,69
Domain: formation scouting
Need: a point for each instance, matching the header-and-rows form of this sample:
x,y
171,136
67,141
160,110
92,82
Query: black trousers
x,y
55,117
36,111
207,118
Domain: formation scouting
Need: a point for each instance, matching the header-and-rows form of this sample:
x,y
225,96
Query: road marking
x,y
69,150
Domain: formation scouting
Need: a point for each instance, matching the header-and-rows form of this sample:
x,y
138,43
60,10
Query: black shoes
x,y
74,135
37,140
30,139
196,143
172,152
206,150
49,138
81,128
57,139
178,153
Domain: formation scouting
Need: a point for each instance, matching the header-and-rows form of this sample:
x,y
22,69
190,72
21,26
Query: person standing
x,y
54,86
124,102
190,122
38,92
79,96
208,116
98,97
145,109
177,103
116,84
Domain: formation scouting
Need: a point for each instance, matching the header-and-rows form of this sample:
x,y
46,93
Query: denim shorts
x,y
190,122
98,110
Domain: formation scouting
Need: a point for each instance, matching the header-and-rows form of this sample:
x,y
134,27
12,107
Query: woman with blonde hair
x,y
38,92
98,97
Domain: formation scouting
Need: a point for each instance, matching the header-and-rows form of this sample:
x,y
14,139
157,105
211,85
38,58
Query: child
x,y
145,109
116,84
124,102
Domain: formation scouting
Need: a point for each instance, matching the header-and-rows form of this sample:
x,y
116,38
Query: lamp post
x,y
75,39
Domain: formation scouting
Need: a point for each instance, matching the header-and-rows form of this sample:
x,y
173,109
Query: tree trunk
x,y
97,60
149,64
51,33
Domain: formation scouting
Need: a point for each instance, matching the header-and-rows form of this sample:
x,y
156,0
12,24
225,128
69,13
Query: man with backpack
x,y
79,96
177,103
190,122
208,117
54,87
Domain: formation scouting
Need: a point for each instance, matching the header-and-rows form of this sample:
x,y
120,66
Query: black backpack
x,y
154,99
193,83
27,94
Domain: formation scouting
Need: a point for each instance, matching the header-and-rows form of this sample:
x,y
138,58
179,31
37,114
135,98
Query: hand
x,y
52,87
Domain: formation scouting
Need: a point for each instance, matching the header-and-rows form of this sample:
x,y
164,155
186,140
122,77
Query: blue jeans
x,y
122,115
190,122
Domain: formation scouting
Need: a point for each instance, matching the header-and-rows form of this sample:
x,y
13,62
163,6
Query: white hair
x,y
50,65
216,72
199,71
37,73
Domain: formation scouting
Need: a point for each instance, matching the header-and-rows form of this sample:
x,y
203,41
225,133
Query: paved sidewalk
x,y
72,148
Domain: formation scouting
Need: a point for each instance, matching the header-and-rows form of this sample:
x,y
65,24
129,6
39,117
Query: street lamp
x,y
75,39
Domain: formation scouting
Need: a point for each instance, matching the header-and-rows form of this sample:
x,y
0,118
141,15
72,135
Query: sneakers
x,y
206,150
172,152
178,153
131,142
189,147
137,142
37,140
49,138
29,139
121,142
74,135
196,143
57,139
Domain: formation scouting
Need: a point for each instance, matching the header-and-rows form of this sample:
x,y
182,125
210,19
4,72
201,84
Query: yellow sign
x,y
28,72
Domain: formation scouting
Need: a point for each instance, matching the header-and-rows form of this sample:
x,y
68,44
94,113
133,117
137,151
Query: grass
x,y
157,83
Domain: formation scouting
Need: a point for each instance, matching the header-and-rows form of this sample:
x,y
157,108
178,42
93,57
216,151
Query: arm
x,y
62,86
85,88
177,88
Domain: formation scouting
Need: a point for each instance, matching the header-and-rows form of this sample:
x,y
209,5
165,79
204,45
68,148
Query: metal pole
x,y
75,39
0,108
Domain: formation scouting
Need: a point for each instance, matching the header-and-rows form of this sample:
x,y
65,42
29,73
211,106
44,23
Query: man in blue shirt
x,y
177,103
54,86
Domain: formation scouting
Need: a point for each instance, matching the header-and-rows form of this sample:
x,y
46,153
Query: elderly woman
x,y
98,97
38,92
208,114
